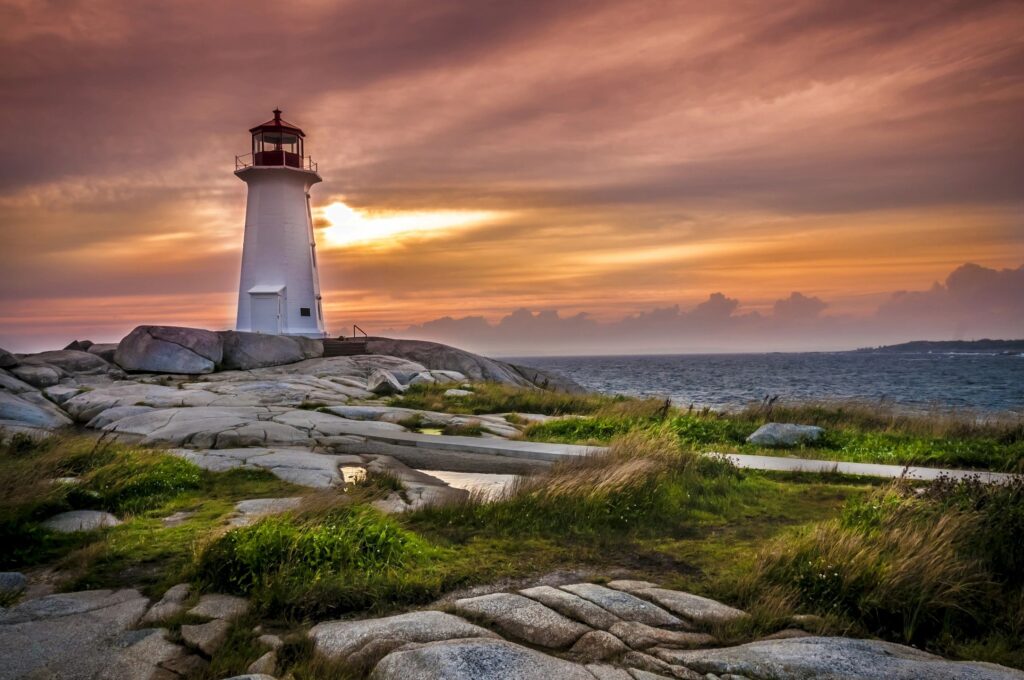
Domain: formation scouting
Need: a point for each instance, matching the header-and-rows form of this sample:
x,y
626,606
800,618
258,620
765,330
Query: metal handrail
x,y
246,161
357,328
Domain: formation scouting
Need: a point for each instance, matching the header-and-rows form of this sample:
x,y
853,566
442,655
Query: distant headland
x,y
940,346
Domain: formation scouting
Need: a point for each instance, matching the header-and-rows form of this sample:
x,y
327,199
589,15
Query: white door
x,y
266,313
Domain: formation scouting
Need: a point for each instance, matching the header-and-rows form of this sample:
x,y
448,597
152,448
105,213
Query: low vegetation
x,y
853,432
498,398
937,565
141,486
345,558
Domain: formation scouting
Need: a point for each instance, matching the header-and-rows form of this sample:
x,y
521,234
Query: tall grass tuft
x,y
643,480
938,567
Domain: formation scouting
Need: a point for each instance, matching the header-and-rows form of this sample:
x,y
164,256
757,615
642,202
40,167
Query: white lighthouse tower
x,y
280,285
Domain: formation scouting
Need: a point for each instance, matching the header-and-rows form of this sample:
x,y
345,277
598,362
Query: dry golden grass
x,y
635,459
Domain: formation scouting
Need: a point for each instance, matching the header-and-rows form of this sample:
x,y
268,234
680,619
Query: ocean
x,y
983,383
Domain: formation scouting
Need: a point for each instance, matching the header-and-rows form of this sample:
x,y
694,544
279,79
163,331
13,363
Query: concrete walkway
x,y
781,464
548,452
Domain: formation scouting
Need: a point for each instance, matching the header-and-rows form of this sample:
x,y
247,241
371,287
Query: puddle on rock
x,y
487,484
352,474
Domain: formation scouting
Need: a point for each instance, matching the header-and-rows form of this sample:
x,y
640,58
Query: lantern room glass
x,y
277,147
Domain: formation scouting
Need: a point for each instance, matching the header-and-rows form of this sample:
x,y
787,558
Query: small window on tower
x,y
303,311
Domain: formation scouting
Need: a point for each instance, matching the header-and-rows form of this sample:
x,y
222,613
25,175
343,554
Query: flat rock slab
x,y
692,607
625,606
29,412
475,659
70,635
834,658
523,618
215,606
573,606
292,464
349,639
251,510
80,520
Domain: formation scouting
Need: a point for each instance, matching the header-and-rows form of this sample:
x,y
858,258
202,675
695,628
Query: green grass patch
x,y
852,433
498,398
463,429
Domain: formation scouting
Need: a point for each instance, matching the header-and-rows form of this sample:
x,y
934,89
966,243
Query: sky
x,y
527,177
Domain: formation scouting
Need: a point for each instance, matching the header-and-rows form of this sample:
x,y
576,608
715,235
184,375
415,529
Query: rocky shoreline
x,y
227,400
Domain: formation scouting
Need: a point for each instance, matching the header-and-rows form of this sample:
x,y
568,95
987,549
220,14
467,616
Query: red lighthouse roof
x,y
278,124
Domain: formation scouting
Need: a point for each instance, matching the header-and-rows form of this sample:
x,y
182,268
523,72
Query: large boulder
x,y
104,350
436,356
833,657
245,351
8,360
69,360
38,375
785,434
170,349
384,382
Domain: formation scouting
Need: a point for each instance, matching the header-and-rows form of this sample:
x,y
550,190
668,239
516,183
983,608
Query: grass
x,y
853,432
140,486
498,398
938,567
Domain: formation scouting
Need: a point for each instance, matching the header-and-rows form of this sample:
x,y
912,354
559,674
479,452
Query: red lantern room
x,y
278,142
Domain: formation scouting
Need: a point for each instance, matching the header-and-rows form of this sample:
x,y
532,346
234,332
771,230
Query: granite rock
x,y
350,639
245,351
170,349
475,659
80,520
691,607
835,658
625,606
523,618
208,637
785,435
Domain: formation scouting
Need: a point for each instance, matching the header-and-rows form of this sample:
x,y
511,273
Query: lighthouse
x,y
279,291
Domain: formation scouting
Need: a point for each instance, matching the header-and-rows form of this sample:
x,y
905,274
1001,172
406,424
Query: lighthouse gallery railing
x,y
276,158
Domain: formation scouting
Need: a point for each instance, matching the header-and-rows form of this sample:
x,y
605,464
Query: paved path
x,y
866,469
549,452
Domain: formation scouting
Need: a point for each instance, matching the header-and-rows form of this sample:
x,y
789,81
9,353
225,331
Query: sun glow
x,y
350,227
